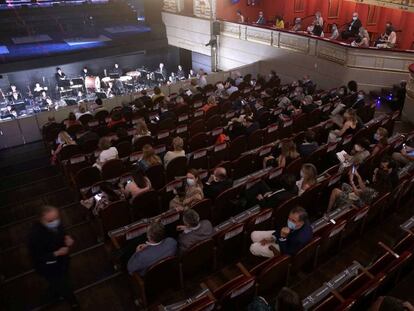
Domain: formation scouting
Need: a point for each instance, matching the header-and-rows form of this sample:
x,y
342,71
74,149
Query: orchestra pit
x,y
197,155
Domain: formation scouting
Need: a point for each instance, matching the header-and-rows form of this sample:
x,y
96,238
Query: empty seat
x,y
145,205
112,169
114,216
177,167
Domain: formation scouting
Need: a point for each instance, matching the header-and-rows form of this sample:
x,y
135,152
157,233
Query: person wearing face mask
x,y
217,183
353,27
360,101
191,193
334,32
308,177
287,240
359,153
49,248
362,40
385,177
380,139
261,19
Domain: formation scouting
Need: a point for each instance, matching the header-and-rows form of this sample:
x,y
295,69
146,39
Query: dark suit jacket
x,y
42,243
215,188
305,149
355,26
279,198
187,240
296,239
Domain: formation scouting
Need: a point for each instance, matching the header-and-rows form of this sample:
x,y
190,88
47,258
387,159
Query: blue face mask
x,y
53,224
291,225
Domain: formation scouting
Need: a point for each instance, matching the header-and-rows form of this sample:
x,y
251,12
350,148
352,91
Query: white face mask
x,y
53,225
191,182
302,175
377,137
354,18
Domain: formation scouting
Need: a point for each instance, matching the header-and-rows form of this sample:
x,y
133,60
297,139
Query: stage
x,y
52,44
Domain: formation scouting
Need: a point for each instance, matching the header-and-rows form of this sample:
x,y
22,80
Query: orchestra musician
x,y
192,74
14,95
172,78
163,71
85,72
115,71
59,75
180,73
352,29
45,100
37,90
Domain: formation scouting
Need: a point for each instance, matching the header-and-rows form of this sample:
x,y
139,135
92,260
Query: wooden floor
x,y
28,181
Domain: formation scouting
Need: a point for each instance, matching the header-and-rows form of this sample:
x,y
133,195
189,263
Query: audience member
x,y
165,113
49,248
101,200
288,191
156,248
363,39
360,152
385,177
71,120
211,102
406,155
350,126
287,155
353,27
280,23
158,95
297,26
191,193
62,140
107,152
82,111
388,39
308,177
217,183
116,119
149,158
141,130
288,300
334,32
287,240
136,185
309,144
358,195
381,140
261,19
178,150
240,17
193,230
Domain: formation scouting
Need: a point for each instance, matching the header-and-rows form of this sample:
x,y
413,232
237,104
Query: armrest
x,y
243,269
388,249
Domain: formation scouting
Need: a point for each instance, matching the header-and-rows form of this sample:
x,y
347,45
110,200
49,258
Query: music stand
x,y
70,101
158,76
77,81
114,75
101,95
64,83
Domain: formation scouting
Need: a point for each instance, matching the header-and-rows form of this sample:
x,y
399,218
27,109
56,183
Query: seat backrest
x,y
243,166
124,149
305,258
199,159
272,277
87,176
239,295
255,139
142,141
225,205
156,174
196,127
68,151
237,147
112,169
85,119
230,243
213,122
203,209
176,167
198,141
200,257
219,153
294,167
145,205
114,216
161,276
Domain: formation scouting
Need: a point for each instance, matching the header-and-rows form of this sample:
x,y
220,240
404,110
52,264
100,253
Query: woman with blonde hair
x,y
141,130
178,150
308,177
191,193
149,158
288,153
108,152
364,38
350,126
381,139
62,140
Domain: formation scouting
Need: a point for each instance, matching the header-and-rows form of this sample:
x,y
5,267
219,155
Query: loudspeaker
x,y
216,28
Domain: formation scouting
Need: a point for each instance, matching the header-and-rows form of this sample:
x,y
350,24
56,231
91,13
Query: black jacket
x,y
215,188
42,243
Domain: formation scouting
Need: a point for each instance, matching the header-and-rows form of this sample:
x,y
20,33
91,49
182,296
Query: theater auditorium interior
x,y
207,155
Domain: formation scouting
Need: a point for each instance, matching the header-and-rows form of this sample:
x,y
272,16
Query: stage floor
x,y
52,44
